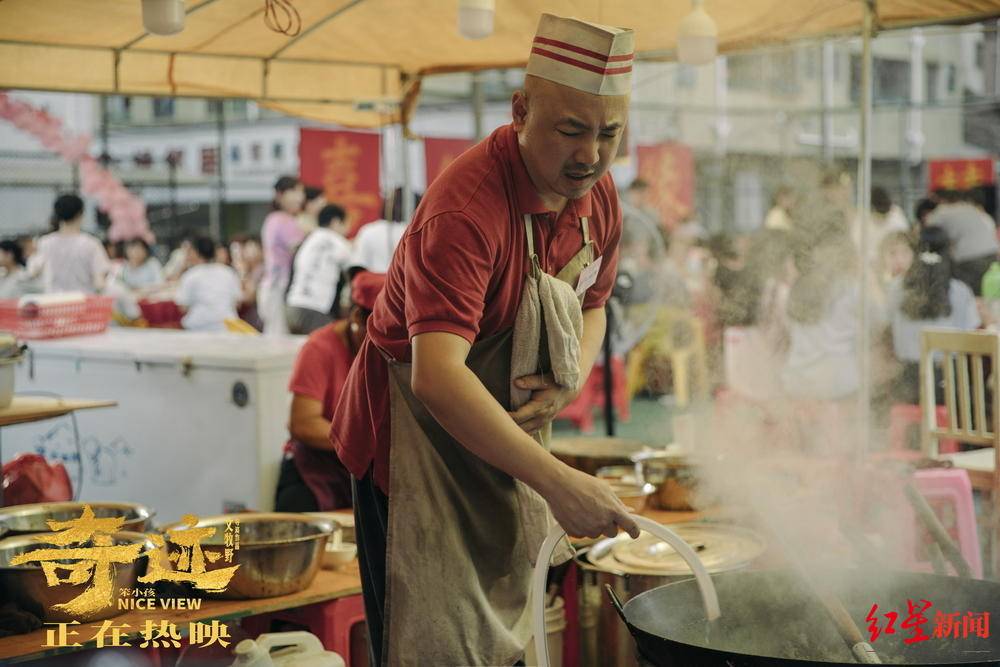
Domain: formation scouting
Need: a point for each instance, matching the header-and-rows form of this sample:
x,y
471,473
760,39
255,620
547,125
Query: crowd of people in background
x,y
289,279
794,289
794,286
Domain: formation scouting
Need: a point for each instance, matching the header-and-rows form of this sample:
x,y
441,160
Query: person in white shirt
x,y
209,292
141,270
973,236
375,243
778,217
316,271
69,259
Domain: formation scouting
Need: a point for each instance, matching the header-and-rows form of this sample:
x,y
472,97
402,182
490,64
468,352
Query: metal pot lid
x,y
720,547
671,455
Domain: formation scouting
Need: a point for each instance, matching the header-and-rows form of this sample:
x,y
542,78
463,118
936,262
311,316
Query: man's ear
x,y
519,109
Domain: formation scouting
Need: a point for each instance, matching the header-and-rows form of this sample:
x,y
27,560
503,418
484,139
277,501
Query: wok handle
x,y
615,602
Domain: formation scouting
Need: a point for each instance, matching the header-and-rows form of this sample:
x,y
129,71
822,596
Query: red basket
x,y
32,321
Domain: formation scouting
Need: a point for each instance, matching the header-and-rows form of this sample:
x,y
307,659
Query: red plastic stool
x,y
331,621
903,416
591,397
949,493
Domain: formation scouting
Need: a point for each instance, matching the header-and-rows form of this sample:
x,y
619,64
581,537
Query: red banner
x,y
668,168
346,166
960,174
439,153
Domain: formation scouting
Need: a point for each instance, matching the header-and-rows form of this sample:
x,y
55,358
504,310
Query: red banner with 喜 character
x,y
440,152
346,166
960,174
668,168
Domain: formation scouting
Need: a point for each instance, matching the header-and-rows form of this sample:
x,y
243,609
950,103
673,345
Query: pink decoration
x,y
127,211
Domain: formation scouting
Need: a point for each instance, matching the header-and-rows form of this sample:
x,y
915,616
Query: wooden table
x,y
24,409
328,585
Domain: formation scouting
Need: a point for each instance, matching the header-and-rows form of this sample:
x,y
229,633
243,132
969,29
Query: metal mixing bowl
x,y
26,585
24,519
279,553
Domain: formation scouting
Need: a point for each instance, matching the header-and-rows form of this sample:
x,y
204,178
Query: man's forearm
x,y
313,432
594,324
462,405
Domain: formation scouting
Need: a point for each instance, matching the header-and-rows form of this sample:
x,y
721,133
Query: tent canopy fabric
x,y
352,61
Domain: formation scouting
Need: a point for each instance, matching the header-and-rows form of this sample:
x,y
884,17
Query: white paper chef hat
x,y
593,58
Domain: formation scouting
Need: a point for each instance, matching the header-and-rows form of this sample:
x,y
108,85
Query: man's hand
x,y
547,400
585,506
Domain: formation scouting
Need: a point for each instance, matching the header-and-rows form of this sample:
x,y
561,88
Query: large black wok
x,y
768,619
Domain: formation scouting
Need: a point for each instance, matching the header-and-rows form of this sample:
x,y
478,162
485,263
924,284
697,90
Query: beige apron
x,y
462,535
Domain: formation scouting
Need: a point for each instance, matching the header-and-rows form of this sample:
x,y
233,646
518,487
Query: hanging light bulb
x,y
697,37
163,17
475,18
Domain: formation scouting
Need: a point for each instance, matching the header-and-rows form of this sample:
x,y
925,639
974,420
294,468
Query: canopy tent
x,y
352,56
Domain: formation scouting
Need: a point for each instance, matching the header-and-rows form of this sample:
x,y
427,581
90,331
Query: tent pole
x,y
864,205
404,147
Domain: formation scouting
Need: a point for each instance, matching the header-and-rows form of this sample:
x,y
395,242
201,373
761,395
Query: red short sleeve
x,y
312,373
601,290
448,268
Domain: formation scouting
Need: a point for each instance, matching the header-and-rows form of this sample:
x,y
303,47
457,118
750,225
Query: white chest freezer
x,y
200,423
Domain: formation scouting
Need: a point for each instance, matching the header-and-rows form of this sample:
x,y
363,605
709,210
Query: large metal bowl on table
x,y
632,566
590,454
34,518
768,620
26,585
279,553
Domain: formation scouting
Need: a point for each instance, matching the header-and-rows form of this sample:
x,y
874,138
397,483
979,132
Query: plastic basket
x,y
34,322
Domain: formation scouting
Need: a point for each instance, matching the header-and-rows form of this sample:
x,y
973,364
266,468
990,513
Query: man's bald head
x,y
568,138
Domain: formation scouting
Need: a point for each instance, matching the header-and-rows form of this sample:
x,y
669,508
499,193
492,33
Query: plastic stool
x,y
949,492
902,416
331,621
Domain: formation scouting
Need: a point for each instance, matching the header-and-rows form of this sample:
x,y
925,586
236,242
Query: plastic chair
x,y
678,336
331,621
962,358
902,417
949,492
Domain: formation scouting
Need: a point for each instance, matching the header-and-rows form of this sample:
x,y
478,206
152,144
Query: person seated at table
x,y
312,477
69,259
141,270
14,281
926,296
316,270
208,291
753,310
823,311
248,260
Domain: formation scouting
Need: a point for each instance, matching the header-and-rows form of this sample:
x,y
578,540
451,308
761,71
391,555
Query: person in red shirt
x,y
452,491
312,477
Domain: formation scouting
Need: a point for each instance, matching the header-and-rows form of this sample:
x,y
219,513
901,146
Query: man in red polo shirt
x,y
522,228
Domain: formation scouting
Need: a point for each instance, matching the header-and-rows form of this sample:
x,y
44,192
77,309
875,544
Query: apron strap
x,y
529,233
585,227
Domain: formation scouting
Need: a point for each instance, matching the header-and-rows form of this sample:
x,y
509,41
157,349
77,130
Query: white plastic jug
x,y
294,649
